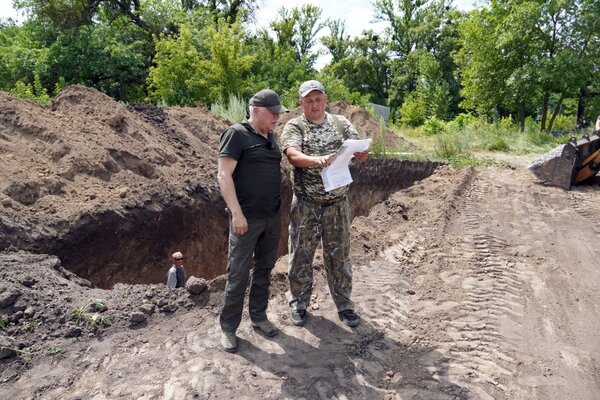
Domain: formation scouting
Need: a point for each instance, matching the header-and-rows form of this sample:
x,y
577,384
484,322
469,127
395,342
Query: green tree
x,y
338,42
419,26
298,29
517,57
175,78
230,61
366,67
111,58
277,67
22,55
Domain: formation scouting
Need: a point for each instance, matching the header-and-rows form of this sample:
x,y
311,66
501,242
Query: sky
x,y
358,14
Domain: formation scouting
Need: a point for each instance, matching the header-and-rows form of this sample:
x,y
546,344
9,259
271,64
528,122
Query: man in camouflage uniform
x,y
309,142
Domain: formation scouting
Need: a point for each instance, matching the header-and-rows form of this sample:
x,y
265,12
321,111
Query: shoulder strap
x,y
340,127
304,128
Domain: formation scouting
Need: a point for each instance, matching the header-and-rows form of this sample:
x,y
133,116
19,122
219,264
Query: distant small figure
x,y
176,274
598,124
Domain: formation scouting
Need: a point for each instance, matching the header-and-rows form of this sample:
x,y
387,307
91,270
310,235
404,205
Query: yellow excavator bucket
x,y
570,163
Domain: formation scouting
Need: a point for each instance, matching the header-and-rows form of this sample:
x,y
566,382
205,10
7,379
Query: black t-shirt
x,y
257,176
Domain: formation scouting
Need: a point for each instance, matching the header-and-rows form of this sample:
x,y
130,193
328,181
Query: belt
x,y
322,203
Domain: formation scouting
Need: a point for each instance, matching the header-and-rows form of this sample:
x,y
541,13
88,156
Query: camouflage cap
x,y
309,86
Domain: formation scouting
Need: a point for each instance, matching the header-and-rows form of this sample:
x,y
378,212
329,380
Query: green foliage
x,y
185,72
230,60
111,58
452,145
338,41
564,122
52,350
525,58
297,29
36,92
175,79
412,111
335,88
460,122
3,324
467,160
97,304
234,111
277,68
531,125
433,126
498,144
88,315
365,69
24,354
22,56
506,123
540,138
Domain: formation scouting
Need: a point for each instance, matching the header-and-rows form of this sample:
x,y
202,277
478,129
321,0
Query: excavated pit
x,y
113,249
113,190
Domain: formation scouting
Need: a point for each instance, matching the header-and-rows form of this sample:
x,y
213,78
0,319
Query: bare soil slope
x,y
470,284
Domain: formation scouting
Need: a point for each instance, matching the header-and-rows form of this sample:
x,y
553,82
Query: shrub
x,y
564,122
540,138
36,92
433,126
498,144
234,111
412,111
451,145
506,124
531,125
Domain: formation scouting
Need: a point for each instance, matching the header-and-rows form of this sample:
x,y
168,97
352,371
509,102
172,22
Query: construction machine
x,y
570,163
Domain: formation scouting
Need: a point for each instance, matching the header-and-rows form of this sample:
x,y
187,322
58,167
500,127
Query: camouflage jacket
x,y
316,140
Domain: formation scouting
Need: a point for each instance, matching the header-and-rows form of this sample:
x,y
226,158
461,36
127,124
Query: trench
x,y
135,248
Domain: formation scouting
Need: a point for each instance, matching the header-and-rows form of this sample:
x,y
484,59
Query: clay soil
x,y
470,283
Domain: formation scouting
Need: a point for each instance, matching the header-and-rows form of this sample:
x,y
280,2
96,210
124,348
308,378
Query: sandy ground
x,y
472,284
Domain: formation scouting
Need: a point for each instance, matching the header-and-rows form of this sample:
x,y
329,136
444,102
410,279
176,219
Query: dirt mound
x,y
43,302
80,171
365,124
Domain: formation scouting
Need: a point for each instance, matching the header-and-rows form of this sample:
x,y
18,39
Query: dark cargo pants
x,y
310,223
261,242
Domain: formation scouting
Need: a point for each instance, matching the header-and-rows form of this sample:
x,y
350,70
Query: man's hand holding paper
x,y
337,174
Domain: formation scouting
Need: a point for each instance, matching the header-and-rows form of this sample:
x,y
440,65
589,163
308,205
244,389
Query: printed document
x,y
337,174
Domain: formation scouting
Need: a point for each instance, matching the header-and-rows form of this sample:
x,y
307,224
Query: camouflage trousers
x,y
310,223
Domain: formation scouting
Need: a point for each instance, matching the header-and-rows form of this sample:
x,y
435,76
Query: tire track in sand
x,y
475,262
584,201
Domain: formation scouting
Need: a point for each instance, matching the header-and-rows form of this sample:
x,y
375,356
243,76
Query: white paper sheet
x,y
337,174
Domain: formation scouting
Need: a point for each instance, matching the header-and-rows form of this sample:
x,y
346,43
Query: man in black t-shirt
x,y
250,181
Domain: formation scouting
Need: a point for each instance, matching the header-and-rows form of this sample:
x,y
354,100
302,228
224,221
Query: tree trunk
x,y
544,111
522,116
556,110
581,122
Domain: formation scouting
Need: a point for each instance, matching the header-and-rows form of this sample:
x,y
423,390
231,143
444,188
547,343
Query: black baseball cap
x,y
268,99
